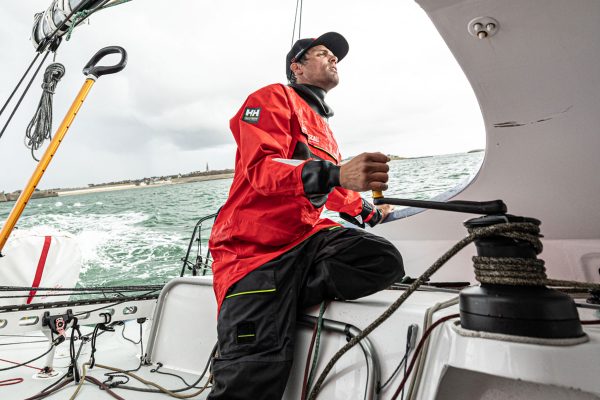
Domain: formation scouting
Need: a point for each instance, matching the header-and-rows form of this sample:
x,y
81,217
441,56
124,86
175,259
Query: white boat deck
x,y
506,365
112,350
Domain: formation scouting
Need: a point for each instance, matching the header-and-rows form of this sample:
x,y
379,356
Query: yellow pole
x,y
376,195
19,206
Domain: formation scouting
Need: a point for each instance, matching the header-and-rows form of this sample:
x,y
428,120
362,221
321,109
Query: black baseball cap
x,y
335,42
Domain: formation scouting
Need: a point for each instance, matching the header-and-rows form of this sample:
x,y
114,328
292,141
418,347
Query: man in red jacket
x,y
273,253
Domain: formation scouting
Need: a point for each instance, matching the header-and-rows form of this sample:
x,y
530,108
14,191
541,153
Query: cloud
x,y
192,64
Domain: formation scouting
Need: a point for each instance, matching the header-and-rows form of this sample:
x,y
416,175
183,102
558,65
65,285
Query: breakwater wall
x,y
40,194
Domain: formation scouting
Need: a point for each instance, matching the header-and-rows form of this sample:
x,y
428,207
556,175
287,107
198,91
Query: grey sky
x,y
193,63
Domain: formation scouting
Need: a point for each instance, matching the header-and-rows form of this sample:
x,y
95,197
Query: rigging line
x,y
20,296
112,304
24,93
13,343
300,23
56,386
160,388
102,386
24,336
112,3
96,382
160,365
19,84
405,369
420,366
418,350
206,259
307,365
402,362
73,303
131,340
49,387
23,365
73,366
140,288
192,386
295,17
313,368
366,365
27,362
11,381
112,375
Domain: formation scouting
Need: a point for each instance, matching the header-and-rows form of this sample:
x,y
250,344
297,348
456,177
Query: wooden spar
x,y
42,165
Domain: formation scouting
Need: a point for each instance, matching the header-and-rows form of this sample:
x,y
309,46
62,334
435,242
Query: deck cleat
x,y
47,373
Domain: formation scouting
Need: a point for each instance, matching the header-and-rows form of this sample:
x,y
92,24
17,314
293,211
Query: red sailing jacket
x,y
268,211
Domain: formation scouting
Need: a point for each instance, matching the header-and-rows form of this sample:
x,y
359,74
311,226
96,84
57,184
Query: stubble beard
x,y
331,79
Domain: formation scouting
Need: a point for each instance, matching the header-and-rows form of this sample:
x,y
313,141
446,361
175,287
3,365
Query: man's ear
x,y
295,67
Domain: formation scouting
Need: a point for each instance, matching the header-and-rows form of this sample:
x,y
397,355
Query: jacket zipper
x,y
324,151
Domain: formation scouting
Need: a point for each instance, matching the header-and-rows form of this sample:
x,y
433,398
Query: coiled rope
x,y
513,270
520,271
40,127
515,230
16,107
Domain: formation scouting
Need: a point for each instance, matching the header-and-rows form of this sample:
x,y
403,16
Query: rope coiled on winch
x,y
514,230
510,271
520,271
40,127
513,270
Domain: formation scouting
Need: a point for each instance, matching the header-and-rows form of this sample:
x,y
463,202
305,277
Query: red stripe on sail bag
x,y
40,268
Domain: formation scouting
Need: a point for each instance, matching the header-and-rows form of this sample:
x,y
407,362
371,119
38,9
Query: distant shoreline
x,y
125,186
165,180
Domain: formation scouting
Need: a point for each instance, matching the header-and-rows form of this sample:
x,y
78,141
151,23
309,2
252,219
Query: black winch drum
x,y
532,311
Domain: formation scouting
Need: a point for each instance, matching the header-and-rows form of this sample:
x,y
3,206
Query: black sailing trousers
x,y
257,320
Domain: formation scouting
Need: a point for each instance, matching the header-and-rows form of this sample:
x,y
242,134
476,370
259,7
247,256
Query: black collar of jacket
x,y
315,97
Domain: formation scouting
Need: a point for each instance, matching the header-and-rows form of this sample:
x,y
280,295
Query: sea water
x,y
139,236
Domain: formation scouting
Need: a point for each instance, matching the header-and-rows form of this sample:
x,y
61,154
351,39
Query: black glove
x,y
370,213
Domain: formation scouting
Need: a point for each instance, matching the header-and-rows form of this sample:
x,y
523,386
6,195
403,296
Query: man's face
x,y
319,68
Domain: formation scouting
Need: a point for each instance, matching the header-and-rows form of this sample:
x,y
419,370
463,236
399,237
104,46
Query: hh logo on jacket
x,y
251,115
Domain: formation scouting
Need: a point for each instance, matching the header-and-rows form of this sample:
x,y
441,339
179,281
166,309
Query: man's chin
x,y
334,82
329,83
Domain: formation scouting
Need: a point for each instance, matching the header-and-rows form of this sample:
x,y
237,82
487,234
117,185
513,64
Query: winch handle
x,y
463,206
91,69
